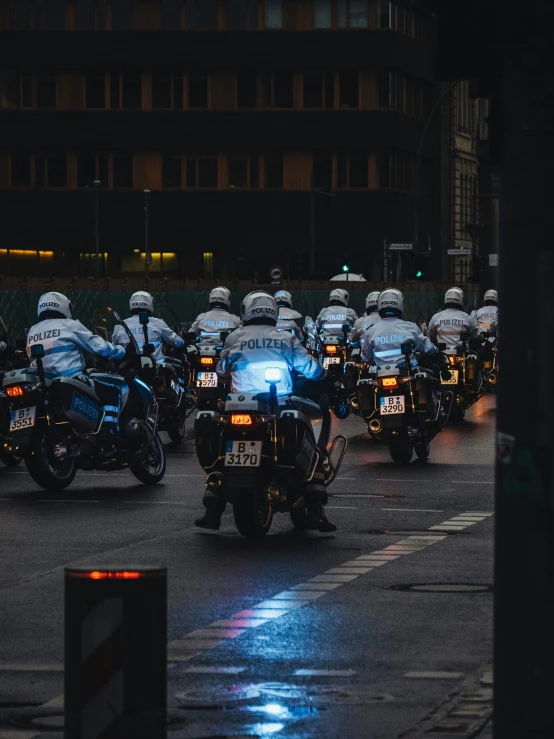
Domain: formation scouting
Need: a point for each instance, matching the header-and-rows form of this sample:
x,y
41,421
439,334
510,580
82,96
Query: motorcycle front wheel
x,y
50,473
150,466
253,516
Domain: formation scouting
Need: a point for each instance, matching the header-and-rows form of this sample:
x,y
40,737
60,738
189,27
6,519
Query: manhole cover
x,y
445,587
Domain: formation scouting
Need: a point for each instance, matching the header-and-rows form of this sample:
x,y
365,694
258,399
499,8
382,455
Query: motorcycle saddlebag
x,y
425,394
366,397
296,444
75,401
207,433
350,376
472,371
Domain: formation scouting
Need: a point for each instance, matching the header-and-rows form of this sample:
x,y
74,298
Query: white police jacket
x,y
290,320
64,341
331,319
159,333
486,316
382,343
362,324
250,350
210,325
446,326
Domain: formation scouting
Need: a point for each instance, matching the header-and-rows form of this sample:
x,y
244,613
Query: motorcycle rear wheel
x,y
401,452
176,431
49,473
150,466
252,516
10,459
341,410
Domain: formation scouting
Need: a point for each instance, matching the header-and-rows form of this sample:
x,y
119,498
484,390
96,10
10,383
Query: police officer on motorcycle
x,y
383,341
209,326
64,340
288,319
488,314
370,317
247,353
331,319
447,325
159,332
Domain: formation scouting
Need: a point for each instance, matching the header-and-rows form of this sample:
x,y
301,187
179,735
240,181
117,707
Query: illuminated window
x,y
273,13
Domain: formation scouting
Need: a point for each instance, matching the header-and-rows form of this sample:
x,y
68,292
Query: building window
x,y
353,170
247,90
242,15
172,173
384,170
86,170
322,14
244,170
319,90
171,18
352,13
121,15
323,170
21,170
201,14
131,90
95,90
122,171
349,90
397,170
398,16
273,170
167,91
197,90
202,172
19,14
51,170
277,89
85,16
46,90
273,13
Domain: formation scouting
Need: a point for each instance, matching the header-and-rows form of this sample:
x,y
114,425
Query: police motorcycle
x,y
205,386
260,450
57,425
333,353
10,359
490,360
403,407
468,381
169,381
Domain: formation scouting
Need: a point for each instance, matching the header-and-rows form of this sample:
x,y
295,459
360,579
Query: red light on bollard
x,y
116,652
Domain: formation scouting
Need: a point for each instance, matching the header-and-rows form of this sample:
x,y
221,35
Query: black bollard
x,y
115,653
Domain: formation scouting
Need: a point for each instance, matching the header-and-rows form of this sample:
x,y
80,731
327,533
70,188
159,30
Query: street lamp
x,y
96,186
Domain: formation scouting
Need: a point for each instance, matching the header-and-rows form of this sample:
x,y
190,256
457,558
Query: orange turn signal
x,y
332,349
206,360
390,382
15,391
104,575
241,419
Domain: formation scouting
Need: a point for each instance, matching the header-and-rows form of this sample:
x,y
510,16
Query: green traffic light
x,y
345,268
419,273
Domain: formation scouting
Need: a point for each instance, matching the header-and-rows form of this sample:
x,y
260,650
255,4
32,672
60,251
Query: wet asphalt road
x,y
355,653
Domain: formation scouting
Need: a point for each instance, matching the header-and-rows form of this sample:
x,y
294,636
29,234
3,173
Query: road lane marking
x,y
434,675
341,508
472,482
155,502
413,510
69,500
386,479
207,670
324,673
16,667
306,593
18,734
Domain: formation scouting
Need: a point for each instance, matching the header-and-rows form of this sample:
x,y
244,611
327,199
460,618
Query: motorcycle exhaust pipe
x,y
492,378
375,426
215,483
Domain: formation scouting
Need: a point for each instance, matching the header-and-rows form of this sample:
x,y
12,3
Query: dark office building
x,y
259,126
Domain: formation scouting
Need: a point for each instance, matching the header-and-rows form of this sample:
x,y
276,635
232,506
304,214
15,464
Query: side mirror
x,y
116,315
144,318
37,351
441,347
224,335
407,347
105,311
346,328
464,336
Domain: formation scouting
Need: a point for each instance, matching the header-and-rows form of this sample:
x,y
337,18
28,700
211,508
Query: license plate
x,y
24,418
206,379
330,360
243,454
453,378
392,405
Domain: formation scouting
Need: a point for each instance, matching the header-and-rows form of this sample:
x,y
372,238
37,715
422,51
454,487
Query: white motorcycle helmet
x,y
142,301
491,295
372,301
259,304
340,296
391,300
55,302
454,296
220,296
283,297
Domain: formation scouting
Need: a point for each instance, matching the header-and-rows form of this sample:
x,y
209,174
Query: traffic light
x,y
419,273
345,268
